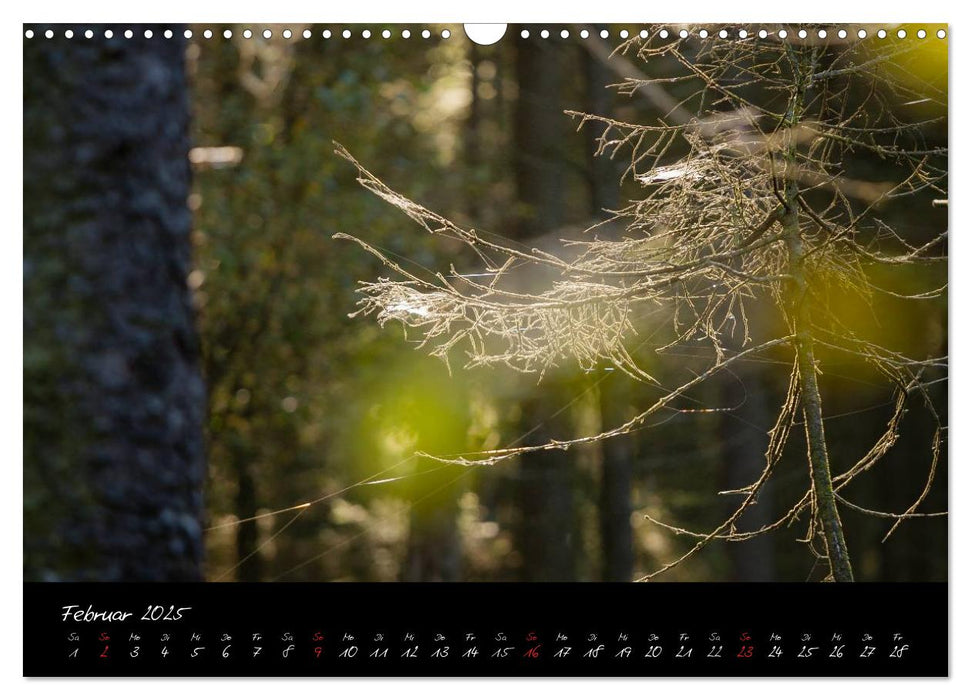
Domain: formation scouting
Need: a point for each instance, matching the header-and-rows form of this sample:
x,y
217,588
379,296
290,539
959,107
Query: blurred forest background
x,y
305,401
307,406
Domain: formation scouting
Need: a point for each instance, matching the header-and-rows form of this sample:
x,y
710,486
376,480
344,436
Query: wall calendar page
x,y
518,350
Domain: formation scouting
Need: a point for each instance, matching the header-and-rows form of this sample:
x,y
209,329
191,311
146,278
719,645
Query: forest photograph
x,y
626,303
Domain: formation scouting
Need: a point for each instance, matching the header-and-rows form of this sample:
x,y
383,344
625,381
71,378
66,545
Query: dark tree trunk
x,y
434,547
472,136
743,441
617,454
434,538
546,538
250,563
603,172
617,473
547,541
113,397
540,132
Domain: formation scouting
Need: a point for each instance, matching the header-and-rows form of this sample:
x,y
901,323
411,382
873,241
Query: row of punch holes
x,y
524,33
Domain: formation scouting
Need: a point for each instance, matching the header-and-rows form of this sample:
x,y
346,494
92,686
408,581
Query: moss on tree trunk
x,y
823,494
113,397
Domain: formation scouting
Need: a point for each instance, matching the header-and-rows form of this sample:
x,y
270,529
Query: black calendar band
x,y
469,629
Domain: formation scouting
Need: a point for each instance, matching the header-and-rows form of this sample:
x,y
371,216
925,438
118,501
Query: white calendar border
x,y
440,11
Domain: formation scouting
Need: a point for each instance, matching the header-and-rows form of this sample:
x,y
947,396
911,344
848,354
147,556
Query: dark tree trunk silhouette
x,y
434,548
743,441
434,545
547,541
472,134
603,173
250,563
617,474
617,454
540,129
546,538
113,397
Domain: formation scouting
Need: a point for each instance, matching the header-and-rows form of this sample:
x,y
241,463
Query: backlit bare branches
x,y
753,194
